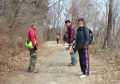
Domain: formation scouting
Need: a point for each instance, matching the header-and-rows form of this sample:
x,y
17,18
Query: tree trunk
x,y
109,27
16,15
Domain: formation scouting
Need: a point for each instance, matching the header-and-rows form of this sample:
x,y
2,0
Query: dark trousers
x,y
57,41
84,61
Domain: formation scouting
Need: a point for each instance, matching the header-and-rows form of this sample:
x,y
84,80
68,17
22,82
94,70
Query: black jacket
x,y
82,38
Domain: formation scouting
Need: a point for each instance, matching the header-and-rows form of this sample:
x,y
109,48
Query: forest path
x,y
52,65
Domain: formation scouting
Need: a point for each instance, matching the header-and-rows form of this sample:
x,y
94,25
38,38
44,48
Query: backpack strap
x,y
85,33
84,30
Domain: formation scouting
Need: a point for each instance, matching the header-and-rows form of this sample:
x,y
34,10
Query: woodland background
x,y
16,16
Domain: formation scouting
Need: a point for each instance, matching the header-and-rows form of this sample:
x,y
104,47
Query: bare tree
x,y
109,27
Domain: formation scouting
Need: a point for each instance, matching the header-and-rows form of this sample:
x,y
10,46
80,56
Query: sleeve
x,y
31,34
36,38
86,33
72,35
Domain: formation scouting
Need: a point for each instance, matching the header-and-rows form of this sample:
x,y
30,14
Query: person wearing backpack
x,y
32,36
71,35
82,44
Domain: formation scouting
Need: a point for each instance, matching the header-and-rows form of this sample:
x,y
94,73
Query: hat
x,y
33,23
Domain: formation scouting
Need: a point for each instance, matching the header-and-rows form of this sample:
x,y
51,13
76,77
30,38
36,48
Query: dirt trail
x,y
52,64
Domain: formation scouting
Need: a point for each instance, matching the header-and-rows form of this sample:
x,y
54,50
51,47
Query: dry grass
x,y
111,57
13,53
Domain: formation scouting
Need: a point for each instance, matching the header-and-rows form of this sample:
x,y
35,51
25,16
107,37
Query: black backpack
x,y
90,36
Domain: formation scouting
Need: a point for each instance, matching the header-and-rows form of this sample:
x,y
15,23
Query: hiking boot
x,y
36,71
29,71
71,64
81,73
83,76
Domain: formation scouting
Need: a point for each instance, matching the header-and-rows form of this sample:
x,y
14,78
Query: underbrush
x,y
10,50
111,57
13,54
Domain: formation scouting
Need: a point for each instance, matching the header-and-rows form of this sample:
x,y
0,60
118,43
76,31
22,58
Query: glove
x,y
35,48
85,47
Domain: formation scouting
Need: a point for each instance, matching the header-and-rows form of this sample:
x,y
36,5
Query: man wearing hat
x,y
34,39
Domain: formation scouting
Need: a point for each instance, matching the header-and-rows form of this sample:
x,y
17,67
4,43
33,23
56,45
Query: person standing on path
x,y
58,38
33,54
71,35
82,43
